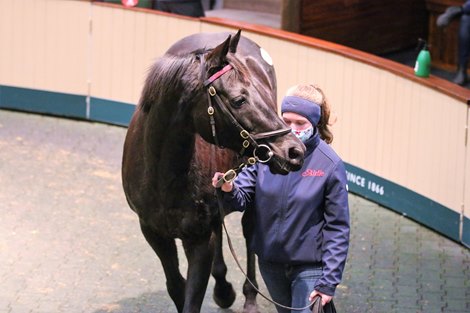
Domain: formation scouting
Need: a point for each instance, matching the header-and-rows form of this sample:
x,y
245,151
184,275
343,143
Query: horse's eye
x,y
238,102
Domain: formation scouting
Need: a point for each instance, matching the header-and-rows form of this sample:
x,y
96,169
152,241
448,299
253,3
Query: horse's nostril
x,y
296,154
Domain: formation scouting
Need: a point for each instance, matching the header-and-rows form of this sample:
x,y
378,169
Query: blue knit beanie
x,y
308,109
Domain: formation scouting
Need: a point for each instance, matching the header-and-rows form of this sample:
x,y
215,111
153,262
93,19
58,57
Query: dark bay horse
x,y
207,91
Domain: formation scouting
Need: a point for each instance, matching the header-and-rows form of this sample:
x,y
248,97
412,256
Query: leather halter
x,y
261,152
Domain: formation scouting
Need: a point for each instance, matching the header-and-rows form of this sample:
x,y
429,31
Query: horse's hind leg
x,y
166,251
224,295
249,291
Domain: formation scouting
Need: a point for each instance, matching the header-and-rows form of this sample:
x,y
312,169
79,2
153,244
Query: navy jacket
x,y
302,217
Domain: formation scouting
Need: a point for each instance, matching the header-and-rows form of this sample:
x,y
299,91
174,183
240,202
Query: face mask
x,y
303,135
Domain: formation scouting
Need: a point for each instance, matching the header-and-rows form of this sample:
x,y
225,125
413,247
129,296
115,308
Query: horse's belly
x,y
192,224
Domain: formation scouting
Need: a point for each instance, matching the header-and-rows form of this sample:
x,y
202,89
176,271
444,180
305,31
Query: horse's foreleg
x,y
224,295
249,291
166,251
199,255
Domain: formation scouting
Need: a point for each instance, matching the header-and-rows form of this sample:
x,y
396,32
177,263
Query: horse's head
x,y
238,110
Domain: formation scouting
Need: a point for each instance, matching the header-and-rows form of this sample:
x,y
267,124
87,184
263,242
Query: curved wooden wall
x,y
404,138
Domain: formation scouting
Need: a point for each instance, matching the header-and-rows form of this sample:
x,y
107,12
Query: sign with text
x,y
403,200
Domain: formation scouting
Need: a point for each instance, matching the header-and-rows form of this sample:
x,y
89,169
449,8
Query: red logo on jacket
x,y
315,173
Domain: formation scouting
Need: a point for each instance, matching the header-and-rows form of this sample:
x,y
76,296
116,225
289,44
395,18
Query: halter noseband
x,y
261,152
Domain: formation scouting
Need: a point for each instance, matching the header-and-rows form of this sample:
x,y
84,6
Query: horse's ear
x,y
218,55
234,42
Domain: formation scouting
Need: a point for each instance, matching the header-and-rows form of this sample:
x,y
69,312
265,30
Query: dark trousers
x,y
464,41
189,8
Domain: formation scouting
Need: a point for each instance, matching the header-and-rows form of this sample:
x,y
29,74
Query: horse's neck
x,y
170,144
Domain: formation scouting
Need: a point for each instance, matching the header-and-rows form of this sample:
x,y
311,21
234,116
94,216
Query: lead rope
x,y
233,173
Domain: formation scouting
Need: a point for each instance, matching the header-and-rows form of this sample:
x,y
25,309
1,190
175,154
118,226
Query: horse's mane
x,y
168,76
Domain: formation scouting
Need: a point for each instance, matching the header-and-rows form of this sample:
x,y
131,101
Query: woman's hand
x,y
226,187
324,298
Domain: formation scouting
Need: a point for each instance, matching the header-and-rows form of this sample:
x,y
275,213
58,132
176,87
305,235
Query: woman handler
x,y
301,233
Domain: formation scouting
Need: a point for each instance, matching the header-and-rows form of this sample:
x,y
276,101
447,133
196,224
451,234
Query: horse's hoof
x,y
224,295
250,308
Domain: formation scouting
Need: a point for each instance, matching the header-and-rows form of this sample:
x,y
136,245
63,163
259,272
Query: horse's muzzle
x,y
291,163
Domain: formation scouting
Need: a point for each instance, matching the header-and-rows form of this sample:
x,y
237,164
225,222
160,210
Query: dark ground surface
x,y
69,242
